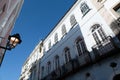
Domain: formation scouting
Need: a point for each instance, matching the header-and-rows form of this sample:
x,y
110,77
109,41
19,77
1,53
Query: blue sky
x,y
35,21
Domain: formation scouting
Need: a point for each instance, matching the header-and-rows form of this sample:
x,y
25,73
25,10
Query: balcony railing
x,y
84,59
66,68
56,74
76,64
69,68
60,72
104,48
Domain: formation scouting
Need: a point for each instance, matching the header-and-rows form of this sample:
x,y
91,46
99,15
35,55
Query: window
x,y
49,67
67,55
30,77
44,48
56,38
42,69
84,8
40,49
73,20
57,63
63,30
2,9
98,33
33,74
49,45
81,48
117,9
99,0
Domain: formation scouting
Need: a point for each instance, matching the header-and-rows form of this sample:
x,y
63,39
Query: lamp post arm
x,y
12,41
5,48
6,45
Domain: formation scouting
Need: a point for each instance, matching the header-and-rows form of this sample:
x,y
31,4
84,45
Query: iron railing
x,y
69,68
104,48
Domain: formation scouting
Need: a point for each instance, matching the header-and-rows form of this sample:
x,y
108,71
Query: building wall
x,y
9,10
30,68
88,50
99,71
96,15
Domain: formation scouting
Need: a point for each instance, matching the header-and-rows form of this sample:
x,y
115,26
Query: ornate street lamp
x,y
12,42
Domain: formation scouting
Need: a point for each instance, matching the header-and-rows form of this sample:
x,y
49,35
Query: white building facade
x,y
9,11
30,67
84,45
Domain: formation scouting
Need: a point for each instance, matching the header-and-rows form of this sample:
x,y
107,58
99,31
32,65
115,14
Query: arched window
x,y
63,30
73,20
84,8
56,37
49,45
81,47
67,54
42,71
40,47
2,10
57,62
48,67
98,33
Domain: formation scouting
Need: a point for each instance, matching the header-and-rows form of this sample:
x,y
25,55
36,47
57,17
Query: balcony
x,y
75,65
69,68
105,48
56,74
66,69
62,71
84,59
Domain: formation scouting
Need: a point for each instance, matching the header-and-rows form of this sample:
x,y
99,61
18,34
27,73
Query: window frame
x,y
56,37
84,8
67,54
42,71
57,62
2,9
73,21
48,67
98,33
80,46
49,44
64,31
